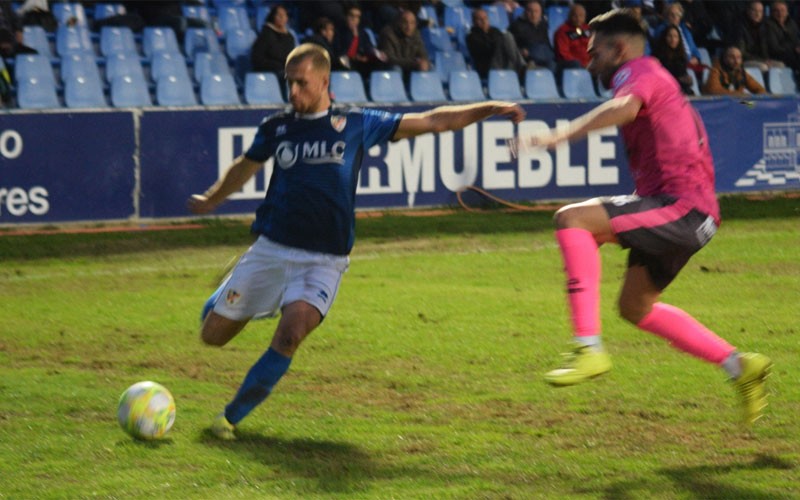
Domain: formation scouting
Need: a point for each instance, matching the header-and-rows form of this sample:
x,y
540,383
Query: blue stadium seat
x,y
503,84
158,39
166,64
556,15
427,14
27,66
426,86
116,39
73,39
540,83
104,10
198,40
436,39
262,11
347,86
262,88
36,93
387,86
238,42
123,65
130,91
695,85
780,81
447,62
66,12
175,91
232,17
84,91
75,65
196,12
576,83
456,15
497,16
757,75
465,85
218,90
214,63
35,37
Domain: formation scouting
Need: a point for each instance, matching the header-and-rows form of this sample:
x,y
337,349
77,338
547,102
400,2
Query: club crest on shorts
x,y
338,122
232,297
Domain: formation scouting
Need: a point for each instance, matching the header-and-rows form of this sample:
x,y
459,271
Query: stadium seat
x,y
214,63
436,39
175,91
757,75
218,89
35,37
75,65
67,12
503,84
262,11
556,15
73,39
426,86
262,88
199,40
36,66
447,62
427,14
465,85
196,12
158,39
238,42
129,91
166,64
456,15
123,65
705,56
497,16
780,81
387,86
541,84
104,10
116,39
232,17
695,83
36,93
576,83
347,86
83,91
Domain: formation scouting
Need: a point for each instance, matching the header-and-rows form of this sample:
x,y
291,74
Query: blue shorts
x,y
662,231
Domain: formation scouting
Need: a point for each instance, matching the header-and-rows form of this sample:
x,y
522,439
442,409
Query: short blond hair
x,y
319,57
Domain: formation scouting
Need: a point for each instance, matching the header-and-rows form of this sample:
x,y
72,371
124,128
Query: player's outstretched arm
x,y
240,171
615,112
446,118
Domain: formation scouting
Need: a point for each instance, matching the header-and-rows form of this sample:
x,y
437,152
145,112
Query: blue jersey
x,y
310,203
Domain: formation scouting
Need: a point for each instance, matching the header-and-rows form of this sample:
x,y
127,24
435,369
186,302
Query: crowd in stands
x,y
233,51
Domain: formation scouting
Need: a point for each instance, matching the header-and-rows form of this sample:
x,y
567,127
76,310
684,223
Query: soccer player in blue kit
x,y
305,225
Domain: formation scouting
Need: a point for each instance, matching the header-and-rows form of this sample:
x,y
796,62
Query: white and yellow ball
x,y
146,410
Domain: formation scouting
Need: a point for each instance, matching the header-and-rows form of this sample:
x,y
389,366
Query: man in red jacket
x,y
571,39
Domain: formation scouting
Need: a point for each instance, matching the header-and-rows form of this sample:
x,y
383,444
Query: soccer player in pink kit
x,y
673,214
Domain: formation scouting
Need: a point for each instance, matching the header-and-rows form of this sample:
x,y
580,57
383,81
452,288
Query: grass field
x,y
424,381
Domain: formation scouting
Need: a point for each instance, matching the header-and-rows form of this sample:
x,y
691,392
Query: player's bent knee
x,y
218,331
633,311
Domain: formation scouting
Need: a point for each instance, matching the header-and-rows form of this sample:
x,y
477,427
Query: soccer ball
x,y
146,410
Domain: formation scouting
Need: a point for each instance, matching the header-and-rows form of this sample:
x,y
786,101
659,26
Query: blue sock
x,y
257,385
212,301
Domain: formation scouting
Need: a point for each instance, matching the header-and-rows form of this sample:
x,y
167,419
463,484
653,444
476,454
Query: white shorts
x,y
270,275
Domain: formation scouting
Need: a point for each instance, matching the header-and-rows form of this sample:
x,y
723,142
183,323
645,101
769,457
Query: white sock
x,y
592,341
732,366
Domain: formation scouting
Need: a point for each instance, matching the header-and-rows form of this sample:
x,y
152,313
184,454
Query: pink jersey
x,y
668,150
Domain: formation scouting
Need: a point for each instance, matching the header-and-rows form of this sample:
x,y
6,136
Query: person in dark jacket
x,y
532,37
355,46
273,44
490,48
669,50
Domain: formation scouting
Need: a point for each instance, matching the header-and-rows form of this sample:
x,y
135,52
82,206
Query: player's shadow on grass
x,y
335,466
707,481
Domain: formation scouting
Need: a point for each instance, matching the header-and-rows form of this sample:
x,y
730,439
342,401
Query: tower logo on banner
x,y
780,165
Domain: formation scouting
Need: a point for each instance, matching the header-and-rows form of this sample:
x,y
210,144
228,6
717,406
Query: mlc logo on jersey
x,y
312,152
286,154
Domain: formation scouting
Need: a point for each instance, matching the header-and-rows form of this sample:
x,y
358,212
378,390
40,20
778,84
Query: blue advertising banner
x,y
58,167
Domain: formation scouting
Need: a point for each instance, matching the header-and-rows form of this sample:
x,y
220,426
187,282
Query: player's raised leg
x,y
580,229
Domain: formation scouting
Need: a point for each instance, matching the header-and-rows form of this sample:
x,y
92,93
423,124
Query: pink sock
x,y
582,266
685,333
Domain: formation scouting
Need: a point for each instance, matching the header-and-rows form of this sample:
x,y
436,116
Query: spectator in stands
x,y
354,44
323,35
402,43
274,42
668,49
699,22
491,48
531,33
673,16
571,39
11,33
783,36
37,13
153,13
752,39
728,76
